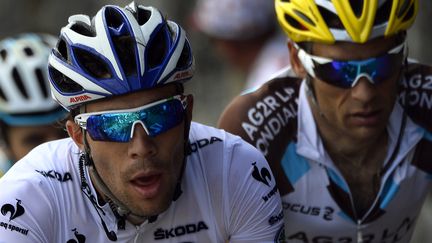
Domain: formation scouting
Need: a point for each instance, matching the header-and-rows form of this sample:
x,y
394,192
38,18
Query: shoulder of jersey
x,y
202,137
415,94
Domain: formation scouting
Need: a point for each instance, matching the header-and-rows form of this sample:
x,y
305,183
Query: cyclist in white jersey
x,y
347,128
135,168
28,114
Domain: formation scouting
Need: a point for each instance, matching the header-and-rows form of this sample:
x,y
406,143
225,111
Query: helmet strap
x,y
120,210
310,91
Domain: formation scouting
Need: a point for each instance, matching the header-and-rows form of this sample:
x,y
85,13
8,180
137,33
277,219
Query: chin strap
x,y
116,205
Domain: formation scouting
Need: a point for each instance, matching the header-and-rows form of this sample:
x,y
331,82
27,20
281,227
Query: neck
x,y
358,154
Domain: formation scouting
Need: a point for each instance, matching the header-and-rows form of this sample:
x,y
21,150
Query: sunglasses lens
x,y
386,67
344,73
163,117
111,127
337,73
117,127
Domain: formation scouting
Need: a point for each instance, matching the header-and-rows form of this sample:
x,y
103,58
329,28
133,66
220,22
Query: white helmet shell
x,y
88,63
24,85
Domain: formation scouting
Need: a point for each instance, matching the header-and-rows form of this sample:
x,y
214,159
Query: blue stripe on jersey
x,y
427,135
345,216
389,192
294,165
337,179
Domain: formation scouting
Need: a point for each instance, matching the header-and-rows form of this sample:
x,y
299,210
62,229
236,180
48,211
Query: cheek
x,y
329,98
171,147
106,157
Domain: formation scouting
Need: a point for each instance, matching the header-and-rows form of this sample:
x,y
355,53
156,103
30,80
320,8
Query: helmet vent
x,y
357,7
62,82
113,18
41,81
28,51
331,19
157,48
83,29
304,17
125,49
19,83
3,54
293,22
185,57
403,8
62,50
383,13
143,15
92,64
410,13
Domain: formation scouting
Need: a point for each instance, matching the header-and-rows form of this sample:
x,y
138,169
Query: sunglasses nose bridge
x,y
134,125
360,76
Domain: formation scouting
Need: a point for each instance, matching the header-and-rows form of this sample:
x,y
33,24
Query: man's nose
x,y
364,90
141,144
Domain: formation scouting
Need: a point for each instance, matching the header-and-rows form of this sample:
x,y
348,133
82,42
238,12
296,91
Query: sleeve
x,y
415,94
252,198
233,116
25,210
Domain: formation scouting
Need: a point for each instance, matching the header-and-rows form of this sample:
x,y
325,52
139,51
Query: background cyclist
x,y
28,114
245,35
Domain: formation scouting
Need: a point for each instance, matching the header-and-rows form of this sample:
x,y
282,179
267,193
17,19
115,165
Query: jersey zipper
x,y
359,232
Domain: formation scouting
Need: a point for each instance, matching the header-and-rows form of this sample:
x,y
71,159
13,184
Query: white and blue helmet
x,y
88,64
25,97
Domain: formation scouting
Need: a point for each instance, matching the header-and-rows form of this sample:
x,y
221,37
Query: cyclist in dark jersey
x,y
347,128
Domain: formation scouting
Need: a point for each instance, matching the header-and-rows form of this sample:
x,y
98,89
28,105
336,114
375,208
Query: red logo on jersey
x,y
79,98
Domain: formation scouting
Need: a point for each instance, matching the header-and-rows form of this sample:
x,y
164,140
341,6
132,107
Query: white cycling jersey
x,y
317,200
228,192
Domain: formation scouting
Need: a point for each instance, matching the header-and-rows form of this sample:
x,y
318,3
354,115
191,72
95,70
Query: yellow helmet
x,y
358,21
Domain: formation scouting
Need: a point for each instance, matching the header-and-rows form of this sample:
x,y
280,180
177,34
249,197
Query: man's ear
x,y
295,61
75,132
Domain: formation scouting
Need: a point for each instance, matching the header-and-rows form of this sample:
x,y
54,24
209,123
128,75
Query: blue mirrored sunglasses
x,y
118,125
346,74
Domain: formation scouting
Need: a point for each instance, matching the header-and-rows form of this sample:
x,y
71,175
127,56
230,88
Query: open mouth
x,y
147,186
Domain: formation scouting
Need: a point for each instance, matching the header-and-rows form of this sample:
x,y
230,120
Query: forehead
x,y
132,100
355,51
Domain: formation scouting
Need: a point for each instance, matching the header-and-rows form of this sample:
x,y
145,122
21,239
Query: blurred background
x,y
215,82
